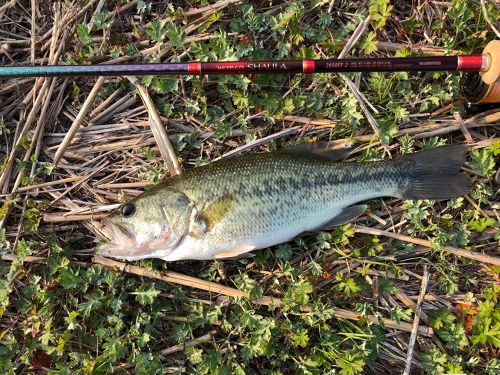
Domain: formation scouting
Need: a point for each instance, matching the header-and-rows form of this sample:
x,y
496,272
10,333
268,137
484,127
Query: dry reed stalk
x,y
105,103
79,119
49,183
33,31
408,302
259,142
487,17
125,185
158,129
117,107
6,6
37,134
30,119
416,320
476,206
8,87
354,38
463,128
358,32
373,122
307,120
215,6
187,344
193,282
418,241
53,58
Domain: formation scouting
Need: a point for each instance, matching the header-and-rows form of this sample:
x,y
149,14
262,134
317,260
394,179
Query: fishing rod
x,y
482,87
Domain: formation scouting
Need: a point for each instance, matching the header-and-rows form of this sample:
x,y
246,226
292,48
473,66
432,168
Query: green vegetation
x,y
60,313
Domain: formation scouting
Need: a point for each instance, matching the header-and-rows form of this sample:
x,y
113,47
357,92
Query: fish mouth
x,y
121,243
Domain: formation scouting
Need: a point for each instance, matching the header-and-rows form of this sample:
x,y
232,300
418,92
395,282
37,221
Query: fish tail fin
x,y
435,173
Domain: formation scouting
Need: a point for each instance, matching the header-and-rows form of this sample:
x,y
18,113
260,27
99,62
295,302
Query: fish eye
x,y
128,210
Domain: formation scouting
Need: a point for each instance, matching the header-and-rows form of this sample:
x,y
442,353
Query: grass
x,y
342,301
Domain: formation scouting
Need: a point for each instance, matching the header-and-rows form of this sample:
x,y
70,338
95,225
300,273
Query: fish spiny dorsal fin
x,y
321,150
216,210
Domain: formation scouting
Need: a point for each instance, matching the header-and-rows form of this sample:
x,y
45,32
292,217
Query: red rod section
x,y
442,63
472,63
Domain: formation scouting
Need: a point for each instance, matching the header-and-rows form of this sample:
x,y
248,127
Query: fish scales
x,y
255,201
272,190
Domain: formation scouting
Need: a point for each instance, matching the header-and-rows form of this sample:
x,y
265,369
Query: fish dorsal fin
x,y
216,210
234,253
346,215
318,149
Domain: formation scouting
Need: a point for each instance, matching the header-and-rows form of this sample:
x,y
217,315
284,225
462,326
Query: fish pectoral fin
x,y
348,214
216,210
234,253
318,149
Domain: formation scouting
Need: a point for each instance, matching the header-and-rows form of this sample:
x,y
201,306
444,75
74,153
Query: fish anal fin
x,y
238,257
346,215
321,150
216,210
235,252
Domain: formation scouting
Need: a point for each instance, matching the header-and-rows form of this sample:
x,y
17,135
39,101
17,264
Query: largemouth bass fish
x,y
236,205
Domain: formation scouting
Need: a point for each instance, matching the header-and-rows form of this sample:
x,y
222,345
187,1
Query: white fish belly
x,y
199,249
281,227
